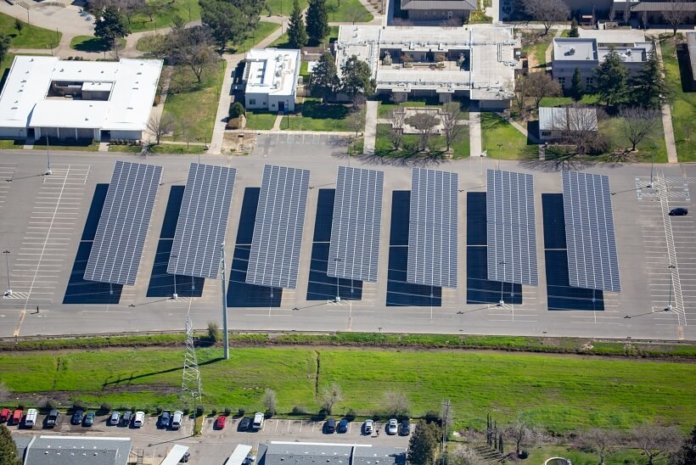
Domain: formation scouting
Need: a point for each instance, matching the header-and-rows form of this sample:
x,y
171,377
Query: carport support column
x,y
224,306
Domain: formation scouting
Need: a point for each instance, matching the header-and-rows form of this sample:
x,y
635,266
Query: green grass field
x,y
29,36
558,392
587,99
163,13
282,41
348,11
651,148
315,116
263,30
260,120
683,105
384,147
93,44
501,140
197,105
282,7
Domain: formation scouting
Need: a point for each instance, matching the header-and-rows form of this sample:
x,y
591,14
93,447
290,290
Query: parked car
x,y
392,426
126,418
114,419
164,420
17,416
244,424
138,419
77,416
342,426
405,427
368,427
30,419
51,419
679,211
4,415
257,424
88,420
220,422
176,419
330,426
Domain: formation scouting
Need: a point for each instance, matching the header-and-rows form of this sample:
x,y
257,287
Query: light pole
x,y
338,290
48,158
8,291
175,295
652,168
225,336
671,288
502,284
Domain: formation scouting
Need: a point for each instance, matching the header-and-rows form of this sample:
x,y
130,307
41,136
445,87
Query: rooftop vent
x,y
570,52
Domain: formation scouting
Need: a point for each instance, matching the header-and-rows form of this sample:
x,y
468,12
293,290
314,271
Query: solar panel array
x,y
589,225
432,234
202,223
118,243
357,212
511,232
275,246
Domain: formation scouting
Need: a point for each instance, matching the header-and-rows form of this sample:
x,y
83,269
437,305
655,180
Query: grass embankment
x,y
24,35
561,393
194,105
683,103
501,140
409,148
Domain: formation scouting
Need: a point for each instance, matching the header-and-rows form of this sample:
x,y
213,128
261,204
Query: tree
x,y
396,404
638,123
578,127
269,401
648,87
600,441
110,25
5,42
396,134
573,29
521,433
450,114
191,47
612,78
324,81
160,124
687,453
317,20
297,36
213,332
423,445
357,78
230,19
521,94
356,120
655,441
576,87
464,455
8,449
675,13
330,396
546,11
424,123
540,85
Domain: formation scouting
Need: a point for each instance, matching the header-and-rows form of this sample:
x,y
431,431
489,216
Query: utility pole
x,y
48,158
191,388
445,422
8,291
225,336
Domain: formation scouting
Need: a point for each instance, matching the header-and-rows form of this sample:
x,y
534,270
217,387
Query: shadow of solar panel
x,y
239,293
476,232
321,286
560,295
399,292
163,284
80,291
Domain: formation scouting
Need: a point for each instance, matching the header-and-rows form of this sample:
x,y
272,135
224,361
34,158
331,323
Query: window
x,y
589,81
252,101
561,81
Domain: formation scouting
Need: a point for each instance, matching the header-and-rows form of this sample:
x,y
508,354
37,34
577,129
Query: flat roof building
x,y
438,10
476,62
270,79
76,450
309,453
556,122
46,96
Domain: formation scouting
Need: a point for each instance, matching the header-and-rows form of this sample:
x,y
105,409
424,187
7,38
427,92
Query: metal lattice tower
x,y
191,388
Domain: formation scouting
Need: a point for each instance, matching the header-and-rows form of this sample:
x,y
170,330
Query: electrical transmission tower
x,y
191,389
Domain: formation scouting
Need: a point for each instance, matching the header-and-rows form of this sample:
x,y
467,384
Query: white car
x,y
30,419
139,419
368,427
392,426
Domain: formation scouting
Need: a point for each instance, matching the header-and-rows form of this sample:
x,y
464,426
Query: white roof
x,y
613,36
24,101
567,118
175,455
574,49
272,71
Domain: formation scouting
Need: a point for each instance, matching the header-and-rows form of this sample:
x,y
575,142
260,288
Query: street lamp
x,y
48,159
671,288
338,291
8,291
175,295
501,303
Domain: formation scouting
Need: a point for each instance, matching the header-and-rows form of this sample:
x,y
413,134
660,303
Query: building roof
x,y
663,6
579,49
24,101
632,53
691,44
613,36
467,5
272,71
294,453
567,118
78,450
490,54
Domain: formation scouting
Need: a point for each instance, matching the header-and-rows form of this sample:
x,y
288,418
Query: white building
x,y
270,79
46,96
476,62
556,123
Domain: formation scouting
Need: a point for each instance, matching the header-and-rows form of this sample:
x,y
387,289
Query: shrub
x,y
213,412
236,110
200,411
105,407
158,410
213,332
241,412
228,411
79,405
298,410
432,416
350,415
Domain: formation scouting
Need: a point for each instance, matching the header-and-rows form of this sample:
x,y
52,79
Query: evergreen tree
x,y
576,88
8,449
612,80
317,21
357,78
324,81
423,445
110,25
687,453
297,37
573,29
5,43
648,87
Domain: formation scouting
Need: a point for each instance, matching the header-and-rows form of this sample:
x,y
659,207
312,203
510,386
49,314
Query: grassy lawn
x,y
164,12
683,105
652,146
535,45
29,36
150,43
558,392
579,457
501,140
283,7
384,147
260,120
348,11
263,30
282,41
315,116
93,44
11,144
196,104
587,99
162,148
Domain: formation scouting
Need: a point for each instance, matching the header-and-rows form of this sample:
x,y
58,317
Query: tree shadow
x,y
129,379
94,45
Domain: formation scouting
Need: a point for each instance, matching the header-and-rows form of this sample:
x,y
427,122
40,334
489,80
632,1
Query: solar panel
x,y
589,229
118,243
275,246
511,232
202,222
432,233
357,212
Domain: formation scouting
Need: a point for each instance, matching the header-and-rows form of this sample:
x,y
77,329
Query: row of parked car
x,y
79,417
368,427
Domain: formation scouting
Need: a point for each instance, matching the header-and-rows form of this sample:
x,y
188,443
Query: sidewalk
x,y
370,133
475,136
667,122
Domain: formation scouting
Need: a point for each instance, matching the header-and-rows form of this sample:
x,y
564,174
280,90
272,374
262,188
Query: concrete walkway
x,y
370,133
667,123
475,136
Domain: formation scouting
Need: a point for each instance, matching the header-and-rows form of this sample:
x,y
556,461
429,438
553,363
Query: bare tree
x,y
330,396
676,13
464,455
600,441
356,122
424,123
396,134
161,124
521,94
396,404
577,126
191,47
546,11
521,433
638,123
655,441
540,85
450,114
269,401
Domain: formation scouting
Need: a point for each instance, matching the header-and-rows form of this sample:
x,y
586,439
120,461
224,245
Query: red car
x,y
220,422
17,416
4,415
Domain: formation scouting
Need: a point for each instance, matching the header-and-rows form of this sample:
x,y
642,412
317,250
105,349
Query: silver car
x,y
368,427
392,426
114,418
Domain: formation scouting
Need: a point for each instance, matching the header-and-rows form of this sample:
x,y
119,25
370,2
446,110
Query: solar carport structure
x,y
123,224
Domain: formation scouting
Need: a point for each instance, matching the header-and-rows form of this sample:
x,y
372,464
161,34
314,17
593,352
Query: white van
x,y
30,419
139,419
176,419
258,421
